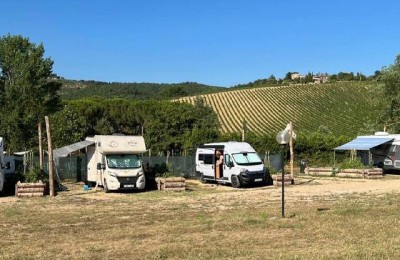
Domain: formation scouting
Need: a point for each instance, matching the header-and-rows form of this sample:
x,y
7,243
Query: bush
x,y
34,174
352,164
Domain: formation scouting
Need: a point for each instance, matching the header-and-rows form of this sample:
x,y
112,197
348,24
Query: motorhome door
x,y
206,162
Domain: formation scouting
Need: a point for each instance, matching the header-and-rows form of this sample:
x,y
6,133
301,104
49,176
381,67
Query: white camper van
x,y
114,162
240,165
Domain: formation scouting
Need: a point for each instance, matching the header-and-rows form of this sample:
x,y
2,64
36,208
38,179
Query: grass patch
x,y
200,224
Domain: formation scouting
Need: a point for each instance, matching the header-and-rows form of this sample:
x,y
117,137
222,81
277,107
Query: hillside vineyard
x,y
342,107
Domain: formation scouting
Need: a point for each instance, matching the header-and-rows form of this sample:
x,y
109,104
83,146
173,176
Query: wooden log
x,y
29,190
33,194
287,180
174,184
319,169
171,179
374,176
349,174
360,171
279,183
175,189
374,173
31,185
320,173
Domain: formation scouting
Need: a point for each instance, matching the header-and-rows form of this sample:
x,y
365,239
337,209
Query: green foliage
x,y
34,174
352,164
389,92
165,125
157,170
88,89
67,133
26,93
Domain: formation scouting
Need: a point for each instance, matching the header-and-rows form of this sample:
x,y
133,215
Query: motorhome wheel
x,y
235,181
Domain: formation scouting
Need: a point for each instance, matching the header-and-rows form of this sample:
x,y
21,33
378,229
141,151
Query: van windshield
x,y
123,161
247,158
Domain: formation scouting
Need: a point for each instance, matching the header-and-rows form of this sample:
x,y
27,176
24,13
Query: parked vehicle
x,y
381,149
240,166
387,155
3,165
114,162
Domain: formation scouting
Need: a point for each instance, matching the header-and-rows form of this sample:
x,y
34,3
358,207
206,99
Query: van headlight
x,y
140,173
244,172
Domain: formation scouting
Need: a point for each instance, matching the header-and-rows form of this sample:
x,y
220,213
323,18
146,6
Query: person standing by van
x,y
219,157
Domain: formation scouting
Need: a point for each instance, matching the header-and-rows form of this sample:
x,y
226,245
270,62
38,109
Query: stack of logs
x,y
30,189
374,173
171,184
287,180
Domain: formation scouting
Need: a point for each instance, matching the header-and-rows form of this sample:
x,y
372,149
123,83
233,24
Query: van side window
x,y
206,158
227,159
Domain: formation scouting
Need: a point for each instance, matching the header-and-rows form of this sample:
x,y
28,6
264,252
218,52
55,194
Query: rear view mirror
x,y
6,165
230,164
100,166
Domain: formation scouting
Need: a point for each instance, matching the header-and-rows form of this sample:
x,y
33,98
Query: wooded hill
x,y
74,89
342,108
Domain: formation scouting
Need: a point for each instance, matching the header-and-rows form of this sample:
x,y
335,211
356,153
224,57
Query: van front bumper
x,y
127,183
248,178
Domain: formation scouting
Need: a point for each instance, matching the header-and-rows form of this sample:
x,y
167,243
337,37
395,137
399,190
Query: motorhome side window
x,y
206,158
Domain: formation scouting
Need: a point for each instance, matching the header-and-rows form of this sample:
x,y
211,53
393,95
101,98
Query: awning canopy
x,y
67,150
364,143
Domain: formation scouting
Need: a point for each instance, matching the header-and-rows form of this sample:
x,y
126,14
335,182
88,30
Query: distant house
x,y
321,78
296,75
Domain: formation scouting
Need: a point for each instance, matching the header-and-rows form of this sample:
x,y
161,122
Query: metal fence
x,y
75,167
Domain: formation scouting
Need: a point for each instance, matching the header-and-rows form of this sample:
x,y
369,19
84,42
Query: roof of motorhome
x,y
108,144
234,147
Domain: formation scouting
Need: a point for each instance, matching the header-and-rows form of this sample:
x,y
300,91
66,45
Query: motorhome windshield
x,y
123,161
247,158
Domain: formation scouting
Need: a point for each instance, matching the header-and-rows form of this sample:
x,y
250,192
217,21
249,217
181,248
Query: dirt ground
x,y
305,189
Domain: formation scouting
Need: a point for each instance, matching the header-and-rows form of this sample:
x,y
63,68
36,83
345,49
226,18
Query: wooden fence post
x,y
291,151
41,161
51,172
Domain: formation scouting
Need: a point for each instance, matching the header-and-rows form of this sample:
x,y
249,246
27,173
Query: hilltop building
x,y
321,78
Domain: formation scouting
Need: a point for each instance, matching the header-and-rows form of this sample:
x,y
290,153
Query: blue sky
x,y
216,42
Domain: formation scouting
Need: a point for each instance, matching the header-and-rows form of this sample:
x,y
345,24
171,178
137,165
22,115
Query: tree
x,y
74,131
26,93
174,92
272,80
288,76
390,89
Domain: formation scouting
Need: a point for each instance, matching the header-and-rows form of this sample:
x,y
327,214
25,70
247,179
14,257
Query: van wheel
x,y
235,181
268,180
106,190
202,179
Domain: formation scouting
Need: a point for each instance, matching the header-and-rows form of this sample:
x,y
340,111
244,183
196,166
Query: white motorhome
x,y
241,164
114,162
381,149
3,165
387,155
